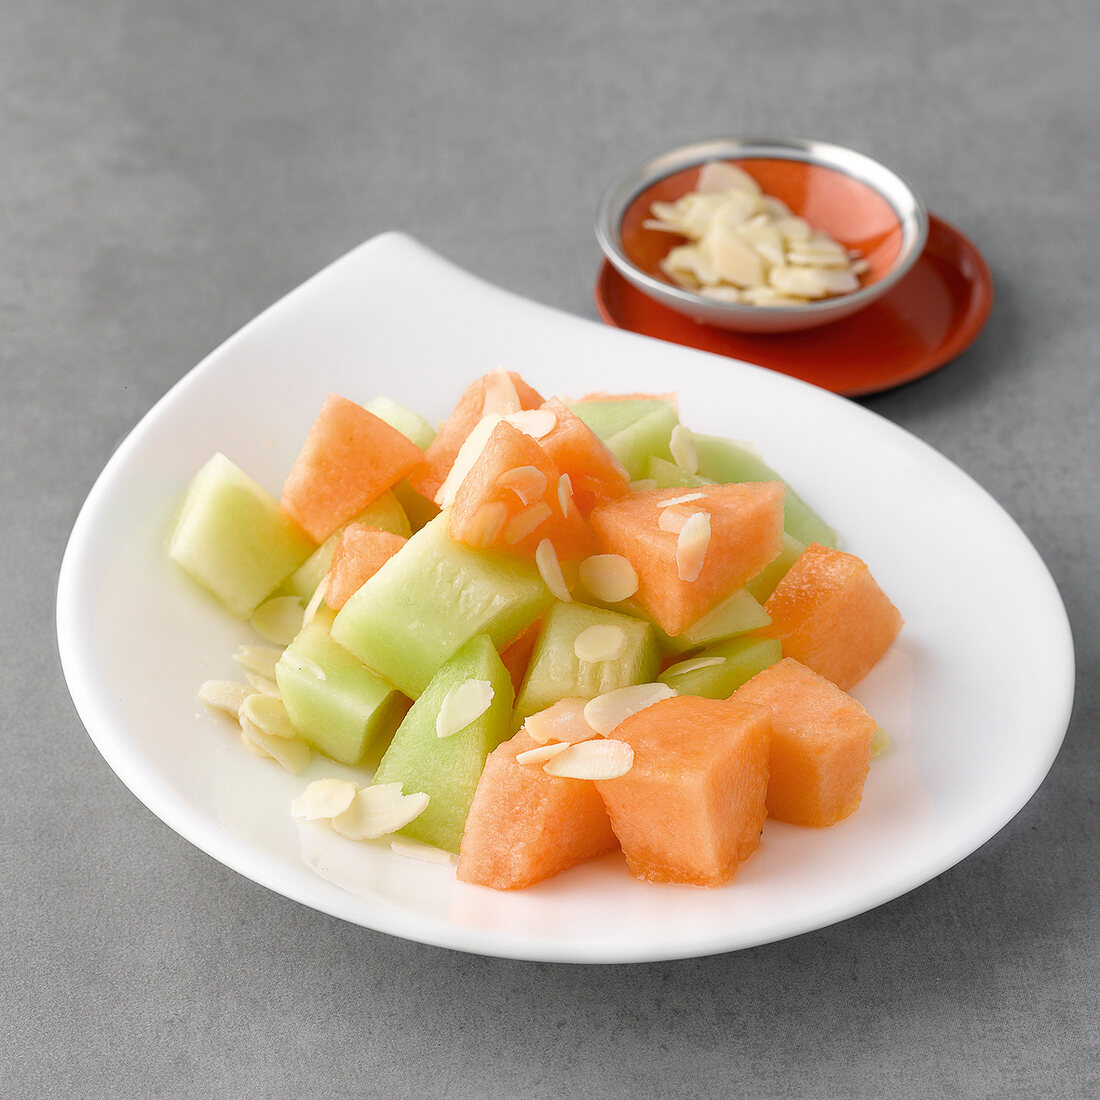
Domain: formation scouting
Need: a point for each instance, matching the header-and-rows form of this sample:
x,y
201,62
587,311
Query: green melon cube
x,y
632,430
764,583
385,513
234,539
409,423
556,672
719,670
334,701
725,461
670,476
447,769
736,614
431,598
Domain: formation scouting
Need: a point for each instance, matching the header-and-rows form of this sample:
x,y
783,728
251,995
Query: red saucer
x,y
934,314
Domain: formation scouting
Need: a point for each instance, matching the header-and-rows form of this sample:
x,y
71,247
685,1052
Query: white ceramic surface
x,y
973,738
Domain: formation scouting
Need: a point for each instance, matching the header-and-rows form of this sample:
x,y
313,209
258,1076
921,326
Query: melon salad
x,y
549,630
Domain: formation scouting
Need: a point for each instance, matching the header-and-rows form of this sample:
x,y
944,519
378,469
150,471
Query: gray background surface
x,y
169,169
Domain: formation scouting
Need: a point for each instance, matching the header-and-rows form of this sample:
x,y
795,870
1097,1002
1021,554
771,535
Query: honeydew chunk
x,y
337,704
763,584
632,429
557,669
725,461
234,539
408,422
432,597
736,614
447,769
719,670
668,475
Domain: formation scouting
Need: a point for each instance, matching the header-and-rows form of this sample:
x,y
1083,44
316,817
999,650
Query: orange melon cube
x,y
350,458
476,400
516,655
595,474
745,534
510,501
829,613
360,552
820,747
692,807
525,826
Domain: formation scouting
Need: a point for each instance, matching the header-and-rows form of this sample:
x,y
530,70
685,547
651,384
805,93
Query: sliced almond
x,y
501,397
291,752
596,760
564,721
565,493
323,798
415,849
600,642
467,456
315,601
609,577
260,659
607,711
691,546
278,620
526,522
254,748
880,742
673,519
264,686
534,422
546,558
376,811
687,498
541,754
682,445
270,715
720,175
527,482
463,704
487,523
693,665
225,695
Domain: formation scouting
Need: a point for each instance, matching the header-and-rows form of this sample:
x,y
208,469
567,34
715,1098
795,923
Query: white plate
x,y
976,693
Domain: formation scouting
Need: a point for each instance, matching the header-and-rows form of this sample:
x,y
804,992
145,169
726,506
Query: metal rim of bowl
x,y
910,210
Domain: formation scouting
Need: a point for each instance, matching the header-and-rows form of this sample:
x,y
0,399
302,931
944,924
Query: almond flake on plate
x,y
691,546
269,714
597,759
546,558
264,686
278,620
607,711
416,849
226,695
463,704
260,659
324,798
292,753
376,811
601,642
609,577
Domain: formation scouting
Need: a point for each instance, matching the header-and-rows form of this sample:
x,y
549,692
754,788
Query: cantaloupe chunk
x,y
820,747
360,552
471,407
595,474
831,615
349,458
516,655
691,808
746,532
525,826
509,501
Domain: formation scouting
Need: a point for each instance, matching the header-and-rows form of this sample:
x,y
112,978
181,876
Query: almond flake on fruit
x,y
607,711
324,798
468,454
546,558
260,659
526,522
269,714
319,594
534,422
463,704
563,721
226,695
527,482
691,546
376,811
682,445
565,493
598,759
487,522
684,667
415,849
543,753
292,753
278,620
609,577
501,397
687,498
673,519
600,642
